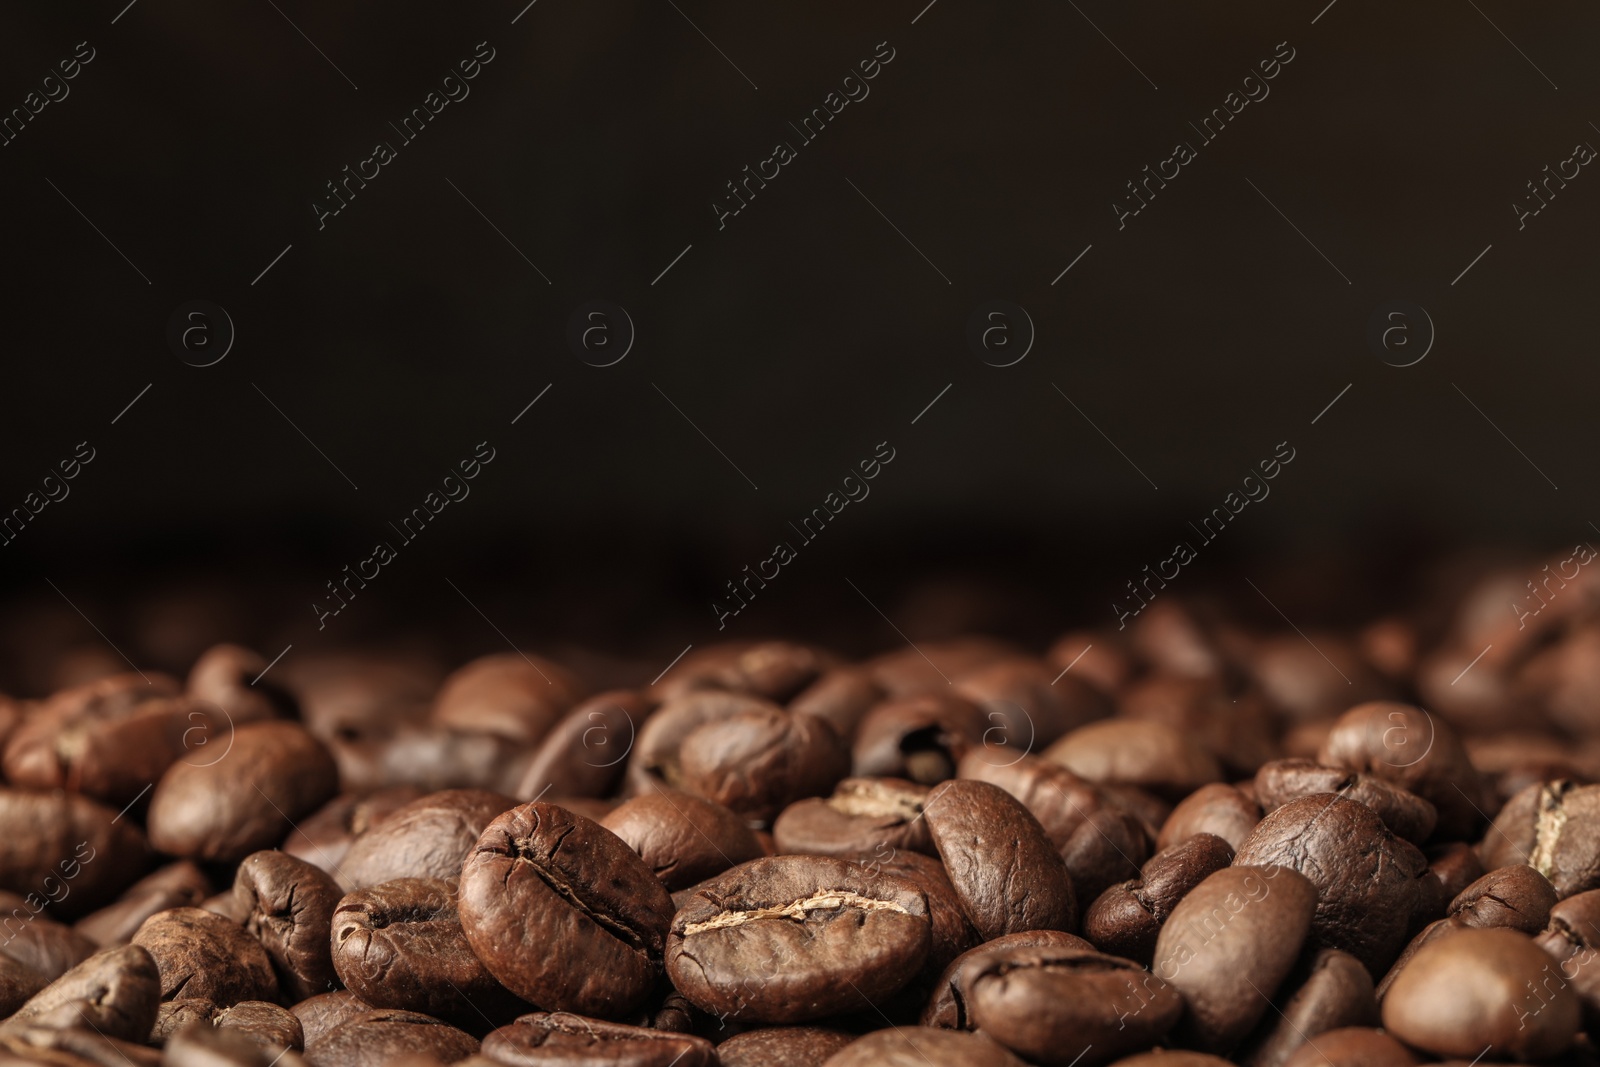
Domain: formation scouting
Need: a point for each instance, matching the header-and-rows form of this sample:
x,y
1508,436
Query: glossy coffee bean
x,y
1137,752
1126,919
117,991
177,885
47,748
430,757
18,982
267,1025
29,936
563,912
952,932
585,753
682,838
863,815
66,852
796,938
400,945
204,955
1005,870
841,697
202,1045
1222,810
427,838
1353,1047
323,838
562,1038
1554,827
916,1046
782,1046
1454,865
653,763
40,1044
1229,945
322,1013
287,904
1405,813
381,1037
273,774
1483,993
758,762
919,737
1572,939
1055,1005
1367,880
1026,705
947,1006
1517,897
514,695
1327,991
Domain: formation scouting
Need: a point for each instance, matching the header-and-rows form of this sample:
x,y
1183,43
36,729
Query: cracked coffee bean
x,y
1403,812
1553,827
116,991
563,912
554,1039
287,904
947,1007
863,815
1126,919
796,938
1516,897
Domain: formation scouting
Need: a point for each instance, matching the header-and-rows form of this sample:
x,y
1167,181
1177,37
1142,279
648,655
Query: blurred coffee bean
x,y
429,757
797,938
511,694
1517,897
863,815
67,852
351,694
400,945
683,839
563,913
43,749
177,885
181,1014
379,1038
246,798
1482,699
116,991
18,982
758,762
1099,659
1126,919
287,904
322,1013
929,666
653,764
841,697
234,679
427,838
1143,753
1511,762
947,1005
31,937
1296,679
1455,866
1367,879
917,1046
265,1024
77,1048
1003,867
1355,1046
201,1045
1572,938
1222,810
542,1037
919,737
584,754
203,955
1026,705
1237,729
1170,637
1227,947
1554,827
323,837
1403,812
1327,991
1483,992
782,1046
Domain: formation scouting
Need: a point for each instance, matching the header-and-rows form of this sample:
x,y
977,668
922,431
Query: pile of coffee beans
x,y
1183,843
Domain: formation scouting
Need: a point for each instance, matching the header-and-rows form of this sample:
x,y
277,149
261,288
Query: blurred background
x,y
1172,350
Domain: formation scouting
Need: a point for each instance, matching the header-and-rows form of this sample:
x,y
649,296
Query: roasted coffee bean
x,y
841,697
177,885
512,694
31,937
947,1007
1367,880
1293,674
1407,814
76,1048
44,749
287,904
654,763
1405,746
1098,658
564,913
323,838
233,679
951,932
18,982
1331,989
1055,1005
929,666
322,1013
782,1046
796,938
1101,841
1553,827
399,944
916,1046
430,757
1516,897
180,1014
264,1023
759,762
66,852
863,815
204,955
773,670
1483,992
1027,706
1171,1058
351,693
584,753
1172,637
223,810
1005,870
1126,919
1439,928
1229,945
116,991
1223,810
1354,1046
427,838
1143,753
380,1038
199,1045
1454,866
917,737
1572,938
561,1038
1236,728
684,839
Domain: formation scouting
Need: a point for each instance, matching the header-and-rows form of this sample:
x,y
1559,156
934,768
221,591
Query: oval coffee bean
x,y
1403,812
204,955
916,1046
1483,992
545,1038
1126,919
947,1007
76,1048
1573,940
320,1014
759,762
1217,809
1228,946
782,1046
841,697
38,941
382,1037
177,885
1517,897
1060,1006
919,737
1003,867
274,774
266,1025
323,838
18,983
654,760
585,753
66,851
952,932
1330,990
117,991
795,938
203,1045
400,945
1138,752
683,838
563,913
862,815
511,694
1554,827
288,905
1367,880
1355,1046
427,838
232,678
